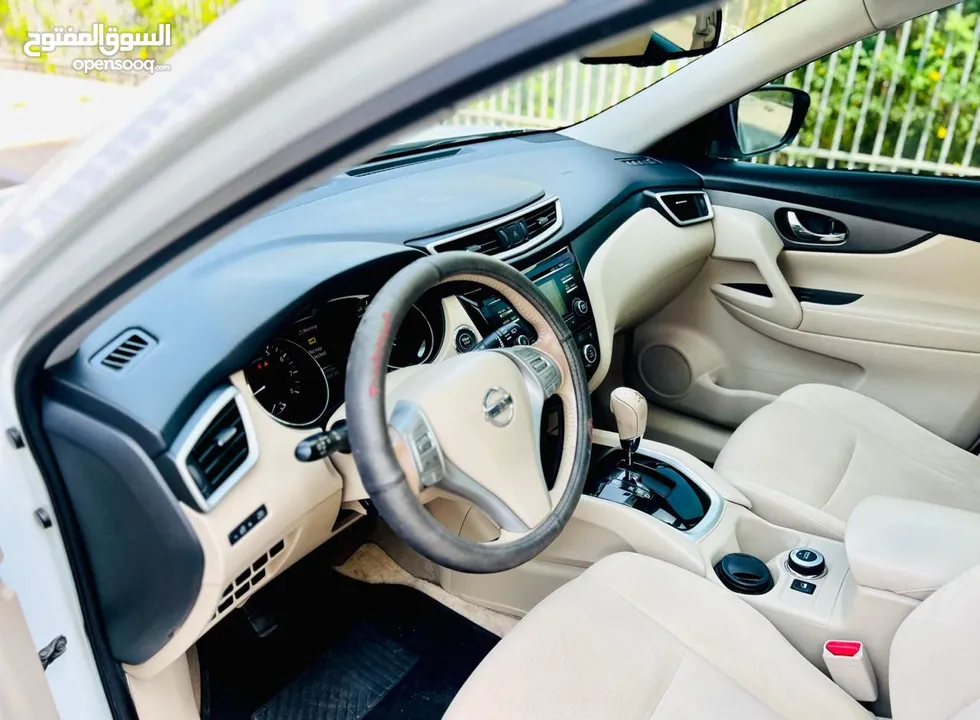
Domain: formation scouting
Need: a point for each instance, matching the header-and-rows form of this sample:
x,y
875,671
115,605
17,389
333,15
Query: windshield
x,y
50,96
566,92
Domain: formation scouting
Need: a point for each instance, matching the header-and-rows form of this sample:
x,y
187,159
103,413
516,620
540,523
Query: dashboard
x,y
174,424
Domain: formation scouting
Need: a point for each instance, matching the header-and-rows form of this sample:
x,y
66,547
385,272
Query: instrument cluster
x,y
298,376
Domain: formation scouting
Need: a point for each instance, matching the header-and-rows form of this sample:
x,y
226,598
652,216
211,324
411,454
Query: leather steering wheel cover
x,y
367,420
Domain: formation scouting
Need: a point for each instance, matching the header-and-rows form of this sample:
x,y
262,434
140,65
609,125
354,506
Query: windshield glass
x,y
566,92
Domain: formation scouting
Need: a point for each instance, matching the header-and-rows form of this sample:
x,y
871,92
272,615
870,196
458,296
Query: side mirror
x,y
765,120
683,36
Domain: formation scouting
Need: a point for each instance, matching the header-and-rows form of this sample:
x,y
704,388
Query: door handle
x,y
808,237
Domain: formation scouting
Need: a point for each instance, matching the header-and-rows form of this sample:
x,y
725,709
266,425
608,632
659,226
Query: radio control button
x,y
590,353
581,307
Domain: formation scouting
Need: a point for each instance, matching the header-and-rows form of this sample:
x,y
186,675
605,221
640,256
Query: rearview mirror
x,y
683,36
760,122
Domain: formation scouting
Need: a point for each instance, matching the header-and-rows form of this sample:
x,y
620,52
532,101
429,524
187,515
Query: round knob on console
x,y
590,353
806,562
580,306
523,340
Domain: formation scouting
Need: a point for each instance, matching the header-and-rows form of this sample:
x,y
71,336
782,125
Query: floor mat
x,y
371,564
342,649
346,682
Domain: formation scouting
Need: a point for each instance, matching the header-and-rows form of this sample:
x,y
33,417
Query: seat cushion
x,y
808,458
634,637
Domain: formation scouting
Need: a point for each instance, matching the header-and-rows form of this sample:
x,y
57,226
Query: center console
x,y
560,281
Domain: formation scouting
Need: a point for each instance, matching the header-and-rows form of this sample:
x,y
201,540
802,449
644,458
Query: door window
x,y
904,100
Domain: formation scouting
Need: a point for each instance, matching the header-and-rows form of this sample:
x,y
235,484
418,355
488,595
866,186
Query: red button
x,y
843,648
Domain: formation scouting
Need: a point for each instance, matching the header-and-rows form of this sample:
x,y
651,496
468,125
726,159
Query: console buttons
x,y
803,586
590,353
464,340
580,306
523,340
806,562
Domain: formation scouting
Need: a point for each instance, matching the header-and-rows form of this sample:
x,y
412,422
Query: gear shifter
x,y
630,410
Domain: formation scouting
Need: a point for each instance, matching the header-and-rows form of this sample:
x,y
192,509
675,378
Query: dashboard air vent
x,y
638,160
124,350
507,236
220,448
684,207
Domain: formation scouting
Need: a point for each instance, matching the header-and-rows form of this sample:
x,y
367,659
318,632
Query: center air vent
x,y
507,236
684,207
638,160
218,449
124,350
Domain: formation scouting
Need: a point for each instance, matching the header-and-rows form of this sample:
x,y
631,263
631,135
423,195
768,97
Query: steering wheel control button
x,y
804,586
580,306
247,524
464,339
535,363
590,354
806,562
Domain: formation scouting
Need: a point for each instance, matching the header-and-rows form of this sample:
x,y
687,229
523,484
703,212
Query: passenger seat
x,y
808,458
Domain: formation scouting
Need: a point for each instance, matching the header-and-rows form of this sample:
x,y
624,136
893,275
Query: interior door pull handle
x,y
802,235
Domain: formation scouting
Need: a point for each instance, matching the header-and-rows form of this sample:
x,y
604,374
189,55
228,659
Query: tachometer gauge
x,y
288,383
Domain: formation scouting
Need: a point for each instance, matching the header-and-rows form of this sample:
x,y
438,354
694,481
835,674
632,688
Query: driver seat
x,y
633,637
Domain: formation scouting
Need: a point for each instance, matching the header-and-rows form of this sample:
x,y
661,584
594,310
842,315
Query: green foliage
x,y
927,82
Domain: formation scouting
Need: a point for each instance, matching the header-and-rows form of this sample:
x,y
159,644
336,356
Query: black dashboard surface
x,y
210,317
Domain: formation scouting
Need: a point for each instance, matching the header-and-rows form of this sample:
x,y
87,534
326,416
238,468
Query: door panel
x,y
863,235
24,691
929,204
748,328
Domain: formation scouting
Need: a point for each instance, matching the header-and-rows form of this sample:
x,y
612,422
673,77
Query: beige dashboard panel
x,y
641,267
303,502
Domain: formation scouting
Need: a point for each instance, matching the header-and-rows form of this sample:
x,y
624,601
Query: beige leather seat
x,y
809,457
633,637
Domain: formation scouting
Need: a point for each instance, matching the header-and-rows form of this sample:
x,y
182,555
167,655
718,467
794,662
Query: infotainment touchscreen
x,y
552,289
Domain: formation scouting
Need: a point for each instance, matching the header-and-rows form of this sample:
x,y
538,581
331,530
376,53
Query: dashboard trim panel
x,y
504,219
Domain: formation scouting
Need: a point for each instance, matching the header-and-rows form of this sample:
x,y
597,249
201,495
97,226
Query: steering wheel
x,y
469,425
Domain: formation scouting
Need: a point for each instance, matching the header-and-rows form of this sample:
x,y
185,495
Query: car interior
x,y
531,426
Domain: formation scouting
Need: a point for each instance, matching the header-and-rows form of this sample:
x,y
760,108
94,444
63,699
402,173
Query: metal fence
x,y
904,100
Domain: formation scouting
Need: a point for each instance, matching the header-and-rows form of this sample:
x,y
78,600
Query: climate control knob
x,y
590,353
580,306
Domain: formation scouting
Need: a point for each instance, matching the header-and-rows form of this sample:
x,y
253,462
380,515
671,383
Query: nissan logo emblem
x,y
498,407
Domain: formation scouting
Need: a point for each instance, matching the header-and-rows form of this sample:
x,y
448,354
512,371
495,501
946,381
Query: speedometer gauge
x,y
288,383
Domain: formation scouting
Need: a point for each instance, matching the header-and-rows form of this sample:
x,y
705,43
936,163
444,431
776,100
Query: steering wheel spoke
x,y
434,469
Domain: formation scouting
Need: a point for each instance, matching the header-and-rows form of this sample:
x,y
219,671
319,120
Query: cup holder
x,y
744,574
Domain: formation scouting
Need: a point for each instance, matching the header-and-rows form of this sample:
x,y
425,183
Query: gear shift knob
x,y
630,410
